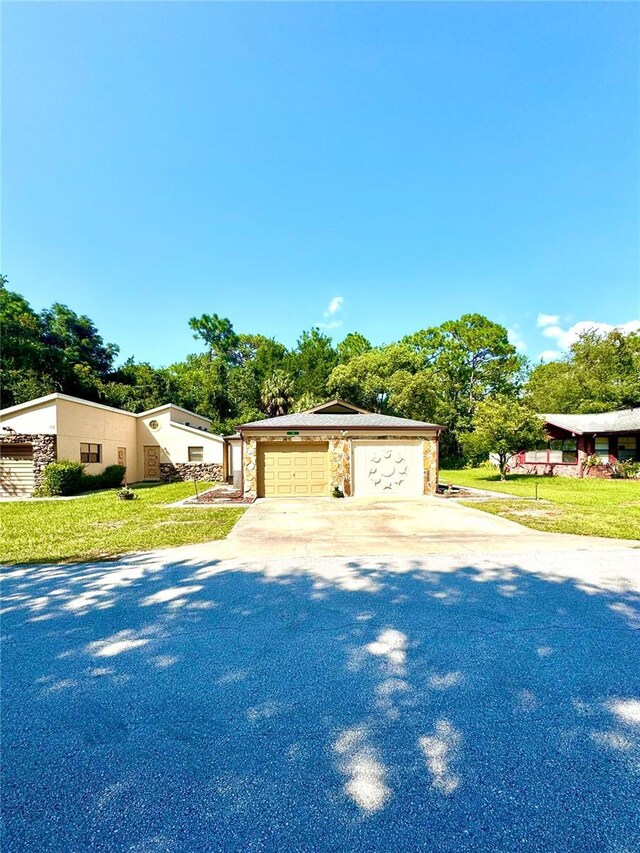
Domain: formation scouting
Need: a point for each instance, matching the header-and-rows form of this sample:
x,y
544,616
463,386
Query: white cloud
x,y
550,354
516,338
334,306
565,337
548,320
552,332
330,311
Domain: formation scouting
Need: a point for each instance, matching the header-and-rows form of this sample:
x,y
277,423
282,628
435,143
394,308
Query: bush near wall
x,y
64,478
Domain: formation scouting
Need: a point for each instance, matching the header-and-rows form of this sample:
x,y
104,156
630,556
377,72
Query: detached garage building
x,y
339,445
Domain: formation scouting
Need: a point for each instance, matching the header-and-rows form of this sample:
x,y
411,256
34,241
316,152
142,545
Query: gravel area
x,y
441,703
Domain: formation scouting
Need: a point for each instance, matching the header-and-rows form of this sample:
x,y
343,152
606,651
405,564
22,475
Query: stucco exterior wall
x,y
340,451
74,422
41,420
78,423
174,441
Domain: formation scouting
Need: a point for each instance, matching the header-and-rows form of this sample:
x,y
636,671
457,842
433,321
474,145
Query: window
x,y
560,450
537,455
627,446
196,454
602,448
90,452
563,450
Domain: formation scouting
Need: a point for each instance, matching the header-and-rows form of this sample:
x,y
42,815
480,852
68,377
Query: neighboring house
x,y
610,436
337,445
165,443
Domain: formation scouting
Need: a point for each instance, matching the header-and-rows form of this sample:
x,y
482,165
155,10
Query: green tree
x,y
367,380
311,363
219,336
306,401
201,385
503,426
353,344
137,386
23,355
277,394
599,373
472,359
74,339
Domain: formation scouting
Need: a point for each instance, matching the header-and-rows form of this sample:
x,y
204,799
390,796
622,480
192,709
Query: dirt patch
x,y
108,525
221,496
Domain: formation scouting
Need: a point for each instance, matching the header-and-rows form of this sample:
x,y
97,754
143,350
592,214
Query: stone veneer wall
x,y
44,449
339,458
173,472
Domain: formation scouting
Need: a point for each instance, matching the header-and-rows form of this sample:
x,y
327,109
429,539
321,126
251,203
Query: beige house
x,y
338,445
165,443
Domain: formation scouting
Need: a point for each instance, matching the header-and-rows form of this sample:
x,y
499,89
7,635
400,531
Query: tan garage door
x,y
16,470
293,470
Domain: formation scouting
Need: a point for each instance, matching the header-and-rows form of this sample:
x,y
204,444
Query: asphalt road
x,y
467,703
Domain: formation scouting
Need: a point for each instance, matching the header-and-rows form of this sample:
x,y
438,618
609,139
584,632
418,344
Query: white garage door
x,y
388,468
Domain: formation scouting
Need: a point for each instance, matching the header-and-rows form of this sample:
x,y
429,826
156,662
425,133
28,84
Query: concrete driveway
x,y
453,704
368,526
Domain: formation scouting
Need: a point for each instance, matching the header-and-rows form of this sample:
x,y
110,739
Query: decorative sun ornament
x,y
388,469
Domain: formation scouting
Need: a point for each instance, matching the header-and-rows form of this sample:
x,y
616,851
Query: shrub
x,y
65,478
111,478
113,475
627,470
61,478
337,492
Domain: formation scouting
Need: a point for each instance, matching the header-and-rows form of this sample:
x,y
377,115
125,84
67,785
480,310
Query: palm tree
x,y
277,393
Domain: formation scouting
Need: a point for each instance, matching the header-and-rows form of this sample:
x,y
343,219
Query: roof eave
x,y
341,428
565,426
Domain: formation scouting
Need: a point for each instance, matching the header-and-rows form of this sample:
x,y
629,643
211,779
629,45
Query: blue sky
x,y
418,161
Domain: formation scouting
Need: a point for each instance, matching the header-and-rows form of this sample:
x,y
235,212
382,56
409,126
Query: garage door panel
x,y
16,471
293,470
388,468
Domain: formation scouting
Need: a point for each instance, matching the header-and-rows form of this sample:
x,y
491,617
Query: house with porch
x,y
605,438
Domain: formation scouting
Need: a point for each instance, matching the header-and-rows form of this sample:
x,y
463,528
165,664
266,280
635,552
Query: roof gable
x,y
336,407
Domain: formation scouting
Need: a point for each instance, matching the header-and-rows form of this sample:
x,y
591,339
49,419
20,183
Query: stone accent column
x,y
250,467
430,457
340,465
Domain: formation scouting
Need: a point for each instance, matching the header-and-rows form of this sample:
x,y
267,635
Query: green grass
x,y
587,506
99,525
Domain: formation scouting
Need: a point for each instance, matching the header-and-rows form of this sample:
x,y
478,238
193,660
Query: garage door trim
x,y
363,477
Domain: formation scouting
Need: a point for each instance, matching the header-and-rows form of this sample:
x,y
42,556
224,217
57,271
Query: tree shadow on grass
x,y
426,704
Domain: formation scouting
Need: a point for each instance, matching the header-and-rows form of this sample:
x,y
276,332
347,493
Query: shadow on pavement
x,y
425,704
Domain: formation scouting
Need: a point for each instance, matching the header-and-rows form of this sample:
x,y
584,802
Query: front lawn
x,y
99,525
587,506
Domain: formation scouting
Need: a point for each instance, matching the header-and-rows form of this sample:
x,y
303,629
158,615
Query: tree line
x,y
444,374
